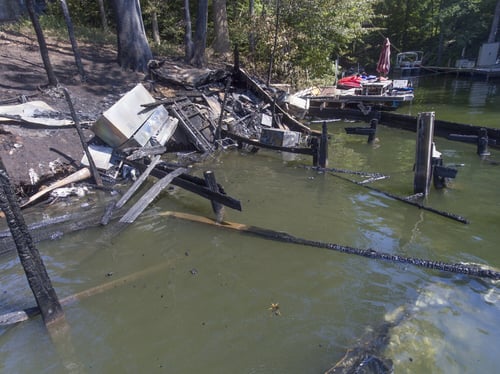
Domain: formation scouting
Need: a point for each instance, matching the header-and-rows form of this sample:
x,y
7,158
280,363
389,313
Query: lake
x,y
184,297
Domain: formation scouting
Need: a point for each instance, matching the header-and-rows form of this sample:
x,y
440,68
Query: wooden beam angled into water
x,y
25,314
150,195
458,268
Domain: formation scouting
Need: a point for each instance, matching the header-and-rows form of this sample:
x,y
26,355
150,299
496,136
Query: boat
x,y
408,63
372,93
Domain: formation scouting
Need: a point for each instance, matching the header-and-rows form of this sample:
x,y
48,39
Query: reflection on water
x,y
197,298
461,100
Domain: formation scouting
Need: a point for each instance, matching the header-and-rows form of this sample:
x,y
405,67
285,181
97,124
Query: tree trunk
x,y
102,12
494,24
41,42
200,40
276,30
251,36
188,41
72,38
133,48
221,29
156,30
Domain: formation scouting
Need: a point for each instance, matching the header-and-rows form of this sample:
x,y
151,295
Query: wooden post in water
x,y
315,150
482,143
323,147
373,126
218,208
38,279
423,167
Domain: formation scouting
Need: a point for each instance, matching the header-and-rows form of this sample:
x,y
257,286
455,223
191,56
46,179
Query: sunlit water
x,y
457,99
196,298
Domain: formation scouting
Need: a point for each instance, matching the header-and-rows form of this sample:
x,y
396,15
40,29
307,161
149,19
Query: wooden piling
x,y
212,184
315,151
323,147
482,143
423,154
373,126
38,279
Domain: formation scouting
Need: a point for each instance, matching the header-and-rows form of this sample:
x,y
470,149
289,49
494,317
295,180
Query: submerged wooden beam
x,y
25,314
466,269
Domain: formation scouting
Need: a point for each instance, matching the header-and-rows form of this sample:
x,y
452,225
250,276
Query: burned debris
x,y
184,116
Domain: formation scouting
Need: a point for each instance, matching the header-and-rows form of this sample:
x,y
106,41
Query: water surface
x,y
196,298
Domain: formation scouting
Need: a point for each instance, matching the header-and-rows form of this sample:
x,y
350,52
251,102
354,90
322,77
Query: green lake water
x,y
197,298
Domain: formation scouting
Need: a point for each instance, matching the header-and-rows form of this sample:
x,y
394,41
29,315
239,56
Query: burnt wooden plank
x,y
303,151
192,184
150,195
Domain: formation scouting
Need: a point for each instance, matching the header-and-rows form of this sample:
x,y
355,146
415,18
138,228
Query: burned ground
x,y
22,75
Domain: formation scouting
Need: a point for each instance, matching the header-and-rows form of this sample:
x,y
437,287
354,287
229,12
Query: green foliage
x,y
442,29
83,12
312,35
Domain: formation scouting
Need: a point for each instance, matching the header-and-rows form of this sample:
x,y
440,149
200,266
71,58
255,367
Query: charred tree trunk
x,y
200,40
41,42
221,29
74,45
133,49
188,41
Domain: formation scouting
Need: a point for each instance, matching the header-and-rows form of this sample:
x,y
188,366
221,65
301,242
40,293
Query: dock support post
x,y
38,279
212,184
315,150
423,167
482,143
323,147
373,126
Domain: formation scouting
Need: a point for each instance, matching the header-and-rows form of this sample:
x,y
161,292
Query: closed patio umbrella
x,y
384,61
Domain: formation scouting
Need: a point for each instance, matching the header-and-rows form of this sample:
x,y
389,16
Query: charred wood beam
x,y
457,268
242,139
192,184
34,268
149,196
288,120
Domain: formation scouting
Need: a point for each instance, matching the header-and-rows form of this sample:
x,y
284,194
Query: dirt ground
x,y
22,73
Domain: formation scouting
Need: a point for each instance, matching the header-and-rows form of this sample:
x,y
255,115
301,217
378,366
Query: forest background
x,y
306,42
